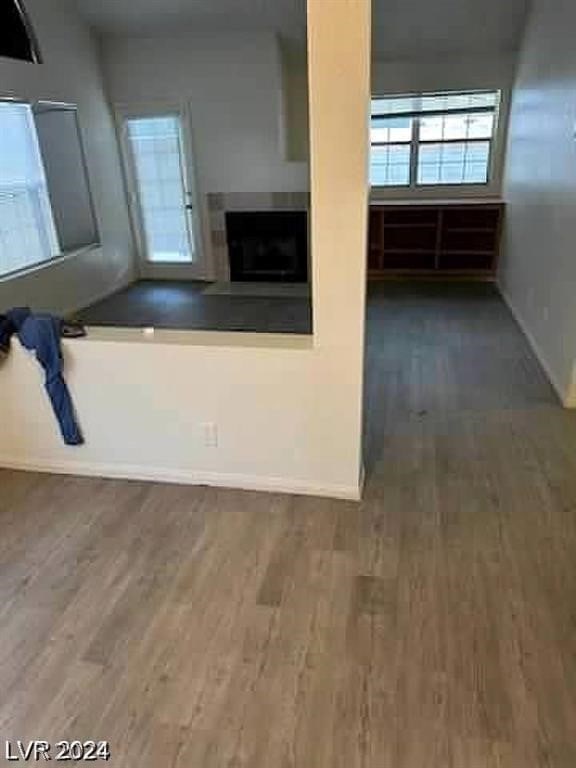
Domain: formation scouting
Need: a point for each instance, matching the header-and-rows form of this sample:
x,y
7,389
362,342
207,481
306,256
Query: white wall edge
x,y
362,481
186,477
567,399
570,401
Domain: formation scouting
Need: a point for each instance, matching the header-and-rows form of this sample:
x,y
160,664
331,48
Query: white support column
x,y
339,45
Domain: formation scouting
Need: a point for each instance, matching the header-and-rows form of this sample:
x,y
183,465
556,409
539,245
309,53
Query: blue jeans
x,y
40,333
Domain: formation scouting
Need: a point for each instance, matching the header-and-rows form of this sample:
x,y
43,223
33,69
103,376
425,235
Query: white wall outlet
x,y
210,434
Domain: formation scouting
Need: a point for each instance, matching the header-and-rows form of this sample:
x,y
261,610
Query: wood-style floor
x,y
184,305
431,626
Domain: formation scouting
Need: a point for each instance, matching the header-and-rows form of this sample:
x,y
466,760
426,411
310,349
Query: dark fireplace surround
x,y
268,246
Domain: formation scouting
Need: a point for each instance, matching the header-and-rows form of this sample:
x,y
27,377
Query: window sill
x,y
62,257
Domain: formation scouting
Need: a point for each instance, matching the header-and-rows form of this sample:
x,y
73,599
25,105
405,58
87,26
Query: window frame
x,y
416,142
62,253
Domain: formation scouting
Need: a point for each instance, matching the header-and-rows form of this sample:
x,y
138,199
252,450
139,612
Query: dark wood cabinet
x,y
434,239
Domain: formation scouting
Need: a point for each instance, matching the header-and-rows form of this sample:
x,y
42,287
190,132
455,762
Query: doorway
x,y
163,195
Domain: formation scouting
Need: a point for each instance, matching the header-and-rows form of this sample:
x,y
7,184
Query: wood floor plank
x,y
429,626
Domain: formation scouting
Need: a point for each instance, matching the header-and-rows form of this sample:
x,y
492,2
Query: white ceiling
x,y
401,28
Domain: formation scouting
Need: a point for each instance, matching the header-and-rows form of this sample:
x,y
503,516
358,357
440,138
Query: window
x,y
27,231
433,139
45,203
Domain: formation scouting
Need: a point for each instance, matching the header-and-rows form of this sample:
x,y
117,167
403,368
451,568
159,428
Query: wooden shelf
x,y
411,250
469,229
434,239
409,226
463,252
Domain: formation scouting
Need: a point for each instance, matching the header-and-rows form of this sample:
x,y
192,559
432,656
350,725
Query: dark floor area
x,y
183,305
441,357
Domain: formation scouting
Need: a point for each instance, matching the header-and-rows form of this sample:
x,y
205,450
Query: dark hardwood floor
x,y
430,626
181,304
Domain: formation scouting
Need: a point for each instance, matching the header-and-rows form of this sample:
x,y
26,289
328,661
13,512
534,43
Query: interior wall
x,y
295,90
232,85
288,410
538,273
443,73
70,73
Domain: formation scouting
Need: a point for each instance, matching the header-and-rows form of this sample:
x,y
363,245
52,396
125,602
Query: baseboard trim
x,y
186,477
567,399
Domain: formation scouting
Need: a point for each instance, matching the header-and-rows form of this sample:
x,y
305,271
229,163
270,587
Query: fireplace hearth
x,y
268,246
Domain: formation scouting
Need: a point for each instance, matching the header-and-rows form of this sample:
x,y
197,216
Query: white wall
x,y
283,412
443,73
288,410
233,86
70,73
295,90
538,274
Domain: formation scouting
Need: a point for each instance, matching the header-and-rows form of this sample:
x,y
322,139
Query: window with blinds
x,y
433,139
45,203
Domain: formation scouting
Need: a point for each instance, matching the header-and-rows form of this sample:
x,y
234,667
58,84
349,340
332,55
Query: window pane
x,y
457,163
454,153
475,173
155,144
429,174
477,151
430,154
477,163
391,129
455,127
432,128
450,127
451,173
390,165
481,126
27,234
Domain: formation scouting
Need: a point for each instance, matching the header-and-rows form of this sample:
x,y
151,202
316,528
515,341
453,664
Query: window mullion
x,y
414,150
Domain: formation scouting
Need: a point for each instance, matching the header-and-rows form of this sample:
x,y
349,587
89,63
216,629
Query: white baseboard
x,y
185,477
568,399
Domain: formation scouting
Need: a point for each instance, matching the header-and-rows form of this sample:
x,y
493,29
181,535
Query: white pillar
x,y
339,45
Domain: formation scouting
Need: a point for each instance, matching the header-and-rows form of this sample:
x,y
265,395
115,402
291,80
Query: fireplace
x,y
268,246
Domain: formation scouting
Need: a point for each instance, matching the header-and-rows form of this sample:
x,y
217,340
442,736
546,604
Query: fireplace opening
x,y
268,246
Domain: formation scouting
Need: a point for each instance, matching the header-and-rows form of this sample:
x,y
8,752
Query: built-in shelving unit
x,y
435,239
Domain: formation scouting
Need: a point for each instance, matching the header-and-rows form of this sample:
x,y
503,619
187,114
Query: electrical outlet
x,y
210,434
